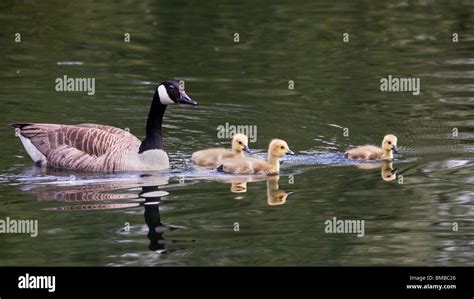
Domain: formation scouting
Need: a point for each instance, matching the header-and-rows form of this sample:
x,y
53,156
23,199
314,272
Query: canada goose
x,y
372,152
213,156
248,165
92,147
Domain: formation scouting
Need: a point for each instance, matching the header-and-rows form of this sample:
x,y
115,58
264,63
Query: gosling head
x,y
170,92
279,148
240,143
389,144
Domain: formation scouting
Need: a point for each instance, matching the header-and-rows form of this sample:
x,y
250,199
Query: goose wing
x,y
77,146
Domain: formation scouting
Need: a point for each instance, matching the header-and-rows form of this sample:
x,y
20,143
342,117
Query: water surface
x,y
186,216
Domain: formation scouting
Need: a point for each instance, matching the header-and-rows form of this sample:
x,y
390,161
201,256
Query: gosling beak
x,y
290,152
394,171
246,149
186,100
288,193
395,149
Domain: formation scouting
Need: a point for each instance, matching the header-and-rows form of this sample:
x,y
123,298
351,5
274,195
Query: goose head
x,y
170,92
389,145
167,93
279,148
240,143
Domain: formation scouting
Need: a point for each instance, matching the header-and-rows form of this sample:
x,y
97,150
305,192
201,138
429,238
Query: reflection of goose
x,y
372,152
101,193
153,219
85,195
94,147
91,190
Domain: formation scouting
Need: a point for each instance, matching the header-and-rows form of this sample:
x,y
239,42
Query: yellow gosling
x,y
372,152
212,157
248,165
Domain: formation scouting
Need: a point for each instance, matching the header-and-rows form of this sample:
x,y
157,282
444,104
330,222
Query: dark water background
x,y
191,220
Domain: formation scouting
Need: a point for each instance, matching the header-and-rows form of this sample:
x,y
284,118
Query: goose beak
x,y
290,152
186,100
395,149
246,149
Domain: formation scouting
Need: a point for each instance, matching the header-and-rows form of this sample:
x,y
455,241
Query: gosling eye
x,y
240,142
389,142
282,147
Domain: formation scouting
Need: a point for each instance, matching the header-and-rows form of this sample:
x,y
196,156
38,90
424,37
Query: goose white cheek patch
x,y
164,97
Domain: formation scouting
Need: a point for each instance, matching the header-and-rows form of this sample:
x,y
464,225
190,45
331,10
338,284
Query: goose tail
x,y
35,154
17,125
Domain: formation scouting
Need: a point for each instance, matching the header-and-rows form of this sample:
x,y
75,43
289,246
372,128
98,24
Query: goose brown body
x,y
85,147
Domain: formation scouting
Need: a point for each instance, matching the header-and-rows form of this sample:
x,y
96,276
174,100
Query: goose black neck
x,y
153,139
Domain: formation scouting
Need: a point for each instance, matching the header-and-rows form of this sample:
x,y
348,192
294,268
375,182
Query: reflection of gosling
x,y
371,152
238,187
247,165
274,195
213,156
387,172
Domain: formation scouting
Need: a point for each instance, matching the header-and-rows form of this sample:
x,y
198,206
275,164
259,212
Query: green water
x,y
101,220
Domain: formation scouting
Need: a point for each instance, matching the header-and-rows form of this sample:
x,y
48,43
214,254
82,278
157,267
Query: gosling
x,y
372,152
248,165
212,157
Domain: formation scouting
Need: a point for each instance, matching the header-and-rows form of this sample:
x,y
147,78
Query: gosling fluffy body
x,y
249,165
212,157
372,152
